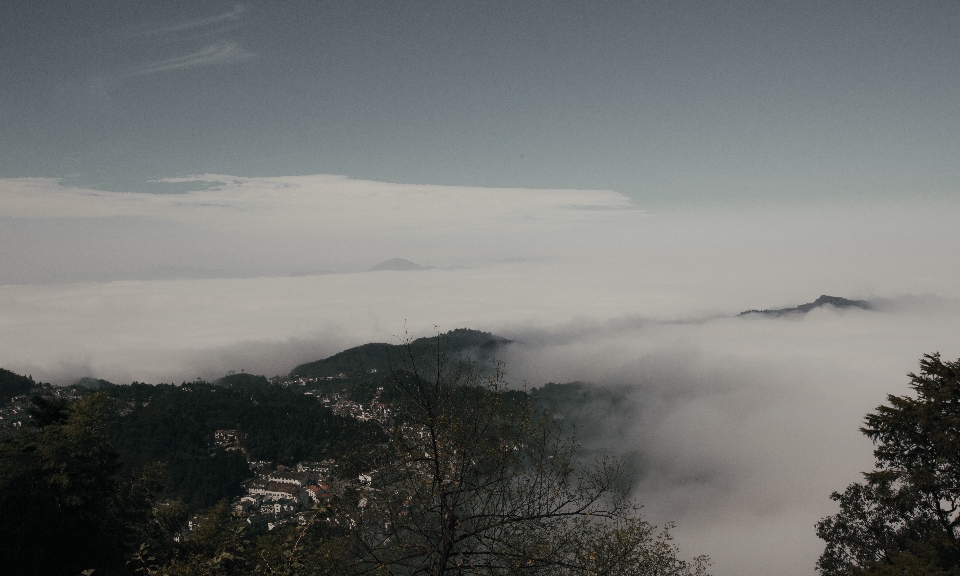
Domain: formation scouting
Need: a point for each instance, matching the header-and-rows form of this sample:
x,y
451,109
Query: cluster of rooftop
x,y
277,497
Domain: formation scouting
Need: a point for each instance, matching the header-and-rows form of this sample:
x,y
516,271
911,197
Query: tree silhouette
x,y
473,481
905,517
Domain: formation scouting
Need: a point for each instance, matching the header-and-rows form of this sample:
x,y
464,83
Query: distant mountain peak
x,y
823,300
397,264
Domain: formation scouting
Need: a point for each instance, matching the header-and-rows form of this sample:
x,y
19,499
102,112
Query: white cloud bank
x,y
271,226
744,424
742,427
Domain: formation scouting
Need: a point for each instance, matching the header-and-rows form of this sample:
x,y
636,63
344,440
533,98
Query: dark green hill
x,y
12,384
835,301
467,340
380,358
353,362
243,381
177,425
93,383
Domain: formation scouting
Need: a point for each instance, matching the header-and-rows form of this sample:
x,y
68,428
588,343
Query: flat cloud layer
x,y
743,426
277,226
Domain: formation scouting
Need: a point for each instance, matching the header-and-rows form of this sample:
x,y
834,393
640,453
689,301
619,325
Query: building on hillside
x,y
298,479
278,491
225,437
319,492
246,505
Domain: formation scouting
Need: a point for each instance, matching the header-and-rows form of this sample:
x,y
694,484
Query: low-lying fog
x,y
743,425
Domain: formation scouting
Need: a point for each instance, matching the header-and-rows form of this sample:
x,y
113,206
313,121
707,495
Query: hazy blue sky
x,y
667,101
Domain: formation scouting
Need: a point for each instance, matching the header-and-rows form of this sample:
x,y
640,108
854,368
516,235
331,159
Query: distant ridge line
x,y
824,300
397,264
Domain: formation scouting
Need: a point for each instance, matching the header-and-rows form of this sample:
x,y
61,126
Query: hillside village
x,y
266,462
276,495
15,410
287,495
280,495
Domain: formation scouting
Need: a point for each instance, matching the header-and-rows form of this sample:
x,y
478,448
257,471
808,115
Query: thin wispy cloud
x,y
222,52
209,21
205,36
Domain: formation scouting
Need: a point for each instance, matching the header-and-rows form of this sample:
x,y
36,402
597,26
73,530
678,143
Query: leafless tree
x,y
474,481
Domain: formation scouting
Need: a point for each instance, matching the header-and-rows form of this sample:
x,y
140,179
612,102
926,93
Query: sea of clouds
x,y
743,425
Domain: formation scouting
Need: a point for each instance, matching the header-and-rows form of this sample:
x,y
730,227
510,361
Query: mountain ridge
x,y
823,300
381,357
397,264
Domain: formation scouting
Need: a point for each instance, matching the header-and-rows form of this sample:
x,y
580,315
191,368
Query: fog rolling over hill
x,y
736,427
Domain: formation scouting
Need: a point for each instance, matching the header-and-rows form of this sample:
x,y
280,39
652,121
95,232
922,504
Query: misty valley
x,y
346,465
411,458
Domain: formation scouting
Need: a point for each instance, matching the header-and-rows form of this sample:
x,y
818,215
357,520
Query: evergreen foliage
x,y
243,381
905,517
12,384
64,505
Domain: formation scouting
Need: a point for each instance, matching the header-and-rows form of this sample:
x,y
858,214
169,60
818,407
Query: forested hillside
x,y
176,425
374,358
13,384
344,474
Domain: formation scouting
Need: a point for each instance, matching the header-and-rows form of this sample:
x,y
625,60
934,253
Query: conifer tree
x,y
904,518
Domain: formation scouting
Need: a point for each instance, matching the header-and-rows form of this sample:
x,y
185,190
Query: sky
x,y
192,188
666,102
